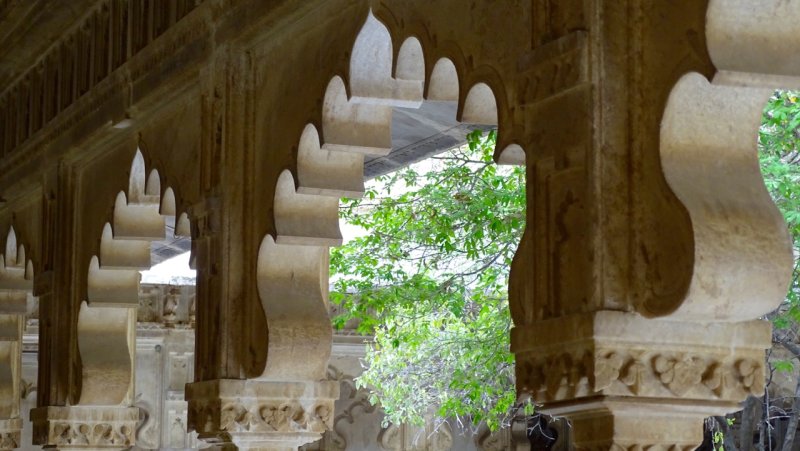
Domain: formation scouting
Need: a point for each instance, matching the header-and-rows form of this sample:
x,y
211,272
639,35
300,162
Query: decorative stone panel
x,y
631,371
261,414
82,427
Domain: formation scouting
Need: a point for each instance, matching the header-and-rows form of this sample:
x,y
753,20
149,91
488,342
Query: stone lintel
x,y
260,414
10,433
621,370
85,427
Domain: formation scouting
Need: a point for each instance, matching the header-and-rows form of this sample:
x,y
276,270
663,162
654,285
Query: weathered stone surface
x,y
254,414
636,122
80,427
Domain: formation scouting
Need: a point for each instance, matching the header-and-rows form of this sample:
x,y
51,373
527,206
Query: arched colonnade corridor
x,y
651,245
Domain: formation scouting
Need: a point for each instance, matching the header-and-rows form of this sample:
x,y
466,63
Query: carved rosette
x,y
261,414
622,363
10,433
82,427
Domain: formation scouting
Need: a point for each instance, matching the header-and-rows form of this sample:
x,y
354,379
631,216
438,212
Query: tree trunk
x,y
727,435
750,419
791,429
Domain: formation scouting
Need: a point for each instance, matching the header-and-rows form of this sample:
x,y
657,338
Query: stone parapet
x,y
85,427
257,414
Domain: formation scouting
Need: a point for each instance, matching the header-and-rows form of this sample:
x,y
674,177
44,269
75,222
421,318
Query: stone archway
x,y
292,272
104,415
16,286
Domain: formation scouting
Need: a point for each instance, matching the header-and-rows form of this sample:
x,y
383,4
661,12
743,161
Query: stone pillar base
x,y
626,381
261,415
613,423
10,433
85,427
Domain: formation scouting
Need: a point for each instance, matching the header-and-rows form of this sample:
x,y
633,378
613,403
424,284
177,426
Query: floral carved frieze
x,y
255,416
635,372
10,433
253,412
82,427
94,435
719,362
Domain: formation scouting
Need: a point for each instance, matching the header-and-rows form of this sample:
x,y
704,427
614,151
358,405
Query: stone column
x,y
240,400
88,314
651,245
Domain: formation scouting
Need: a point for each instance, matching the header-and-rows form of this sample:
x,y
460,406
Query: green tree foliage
x,y
429,280
779,153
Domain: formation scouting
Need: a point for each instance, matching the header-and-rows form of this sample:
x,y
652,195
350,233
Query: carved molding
x,y
621,354
253,411
82,427
10,433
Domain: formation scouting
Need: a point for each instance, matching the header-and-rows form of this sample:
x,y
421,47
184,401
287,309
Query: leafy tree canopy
x,y
779,153
429,280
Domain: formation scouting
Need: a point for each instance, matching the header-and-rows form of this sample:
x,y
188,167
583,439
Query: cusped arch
x,y
305,219
370,70
292,262
712,167
16,286
107,318
480,105
349,126
324,171
16,271
443,84
410,62
512,154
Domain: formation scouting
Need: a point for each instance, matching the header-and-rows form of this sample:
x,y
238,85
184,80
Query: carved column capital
x,y
258,414
10,433
622,369
85,427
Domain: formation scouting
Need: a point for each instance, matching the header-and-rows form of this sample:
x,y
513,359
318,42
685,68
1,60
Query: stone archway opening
x,y
145,227
389,111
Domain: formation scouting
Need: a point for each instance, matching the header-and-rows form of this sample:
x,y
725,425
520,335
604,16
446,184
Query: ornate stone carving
x,y
621,356
602,364
249,412
85,427
10,433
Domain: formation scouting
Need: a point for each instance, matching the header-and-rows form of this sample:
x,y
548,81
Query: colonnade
x,y
651,246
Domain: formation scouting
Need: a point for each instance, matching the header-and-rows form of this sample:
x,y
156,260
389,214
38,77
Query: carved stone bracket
x,y
261,414
10,433
615,365
85,427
